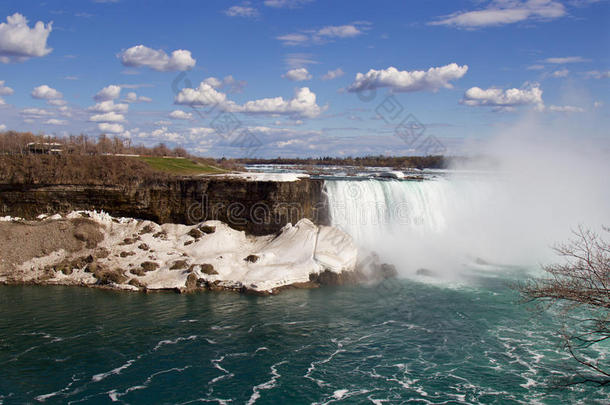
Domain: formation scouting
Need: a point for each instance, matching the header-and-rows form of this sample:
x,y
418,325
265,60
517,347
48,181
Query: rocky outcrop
x,y
257,207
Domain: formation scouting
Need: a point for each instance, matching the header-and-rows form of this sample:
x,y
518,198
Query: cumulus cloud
x,y
2,127
110,128
157,59
303,104
297,75
324,34
163,134
242,11
132,97
109,106
55,121
35,113
203,95
432,79
566,59
503,99
228,82
19,42
108,93
107,117
502,12
202,131
46,93
4,91
333,74
180,115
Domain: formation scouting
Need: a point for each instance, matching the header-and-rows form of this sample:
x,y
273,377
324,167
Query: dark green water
x,y
400,342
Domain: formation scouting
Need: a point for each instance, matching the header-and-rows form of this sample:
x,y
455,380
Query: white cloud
x,y
57,102
164,133
132,97
107,117
565,108
297,75
333,74
228,82
108,93
502,12
432,79
158,60
560,73
566,59
109,106
595,74
598,104
197,131
54,121
2,127
46,93
286,3
203,95
35,113
5,90
242,11
324,34
180,115
111,128
504,99
19,42
214,82
302,105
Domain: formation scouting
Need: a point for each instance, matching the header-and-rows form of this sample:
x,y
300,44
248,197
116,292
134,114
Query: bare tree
x,y
580,288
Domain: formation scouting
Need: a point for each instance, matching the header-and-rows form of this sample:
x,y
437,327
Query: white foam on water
x,y
174,341
102,376
267,385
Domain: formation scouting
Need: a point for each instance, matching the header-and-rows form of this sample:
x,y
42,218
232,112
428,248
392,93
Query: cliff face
x,y
258,208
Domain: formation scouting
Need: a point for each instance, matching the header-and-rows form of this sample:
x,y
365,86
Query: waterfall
x,y
444,223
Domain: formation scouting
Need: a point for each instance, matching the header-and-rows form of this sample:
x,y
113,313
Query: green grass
x,y
180,166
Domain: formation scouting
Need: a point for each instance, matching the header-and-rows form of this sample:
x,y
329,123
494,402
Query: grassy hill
x,y
180,166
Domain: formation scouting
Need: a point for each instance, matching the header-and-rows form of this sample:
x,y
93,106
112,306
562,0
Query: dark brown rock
x,y
125,254
195,233
149,266
207,229
136,283
143,246
179,265
251,258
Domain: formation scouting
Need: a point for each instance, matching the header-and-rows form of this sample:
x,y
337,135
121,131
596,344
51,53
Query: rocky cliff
x,y
258,207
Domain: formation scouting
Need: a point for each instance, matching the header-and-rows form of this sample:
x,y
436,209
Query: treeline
x,y
16,143
75,169
419,162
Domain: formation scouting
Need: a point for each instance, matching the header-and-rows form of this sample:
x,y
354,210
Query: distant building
x,y
45,148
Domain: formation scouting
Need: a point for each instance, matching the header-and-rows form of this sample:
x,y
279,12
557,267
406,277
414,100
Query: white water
x,y
447,224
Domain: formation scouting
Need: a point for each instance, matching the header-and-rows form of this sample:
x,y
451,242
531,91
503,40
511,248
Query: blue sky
x,y
303,77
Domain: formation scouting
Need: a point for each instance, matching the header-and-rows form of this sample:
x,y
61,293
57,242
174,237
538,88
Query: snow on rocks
x,y
144,255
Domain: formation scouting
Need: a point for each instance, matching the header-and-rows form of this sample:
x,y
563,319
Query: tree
x,y
580,288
